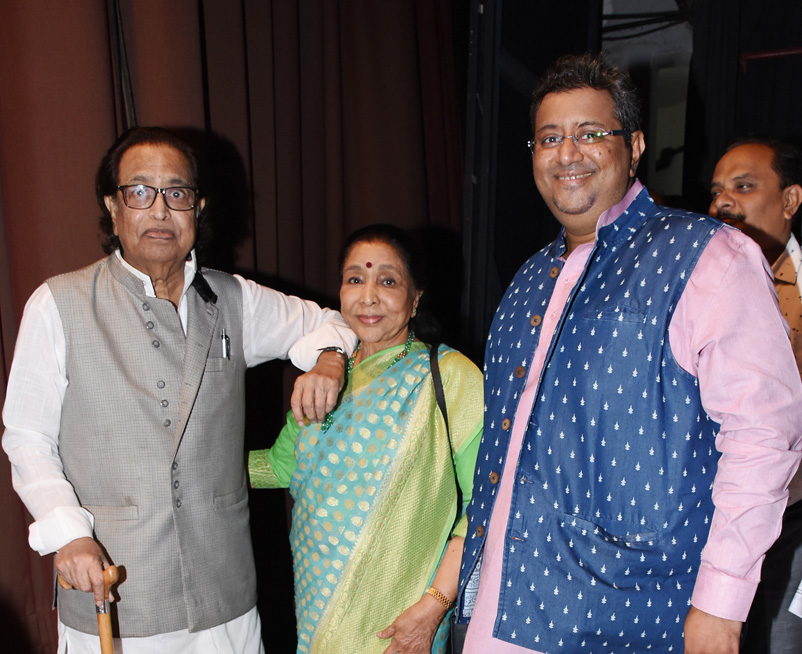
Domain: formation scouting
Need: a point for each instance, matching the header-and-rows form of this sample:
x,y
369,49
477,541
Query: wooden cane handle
x,y
110,577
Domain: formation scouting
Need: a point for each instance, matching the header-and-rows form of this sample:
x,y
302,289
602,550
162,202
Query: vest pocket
x,y
643,539
112,513
617,555
217,364
231,500
618,313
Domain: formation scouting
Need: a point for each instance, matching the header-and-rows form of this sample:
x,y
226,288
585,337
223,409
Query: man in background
x,y
756,188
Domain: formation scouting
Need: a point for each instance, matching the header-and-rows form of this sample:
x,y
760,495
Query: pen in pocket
x,y
225,343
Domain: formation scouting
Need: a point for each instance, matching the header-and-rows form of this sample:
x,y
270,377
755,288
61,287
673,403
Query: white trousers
x,y
242,635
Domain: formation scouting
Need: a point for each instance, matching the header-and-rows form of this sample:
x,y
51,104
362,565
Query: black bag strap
x,y
457,632
438,385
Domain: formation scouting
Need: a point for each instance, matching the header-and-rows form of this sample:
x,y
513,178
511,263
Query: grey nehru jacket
x,y
152,440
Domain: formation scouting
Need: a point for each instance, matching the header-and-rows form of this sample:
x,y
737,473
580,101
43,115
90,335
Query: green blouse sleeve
x,y
463,387
273,467
465,465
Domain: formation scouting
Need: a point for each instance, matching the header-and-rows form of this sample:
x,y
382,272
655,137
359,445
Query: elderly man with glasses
x,y
125,413
643,409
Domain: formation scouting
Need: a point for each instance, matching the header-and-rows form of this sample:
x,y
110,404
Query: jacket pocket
x,y
231,500
113,513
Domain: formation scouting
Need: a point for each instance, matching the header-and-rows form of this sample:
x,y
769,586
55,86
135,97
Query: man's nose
x,y
723,201
569,151
159,208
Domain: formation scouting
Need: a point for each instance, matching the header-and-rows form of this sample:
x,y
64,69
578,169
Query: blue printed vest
x,y
612,503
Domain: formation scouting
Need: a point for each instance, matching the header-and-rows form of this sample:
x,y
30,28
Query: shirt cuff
x,y
306,350
261,471
722,595
59,527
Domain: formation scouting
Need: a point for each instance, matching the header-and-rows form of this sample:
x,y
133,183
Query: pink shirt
x,y
758,424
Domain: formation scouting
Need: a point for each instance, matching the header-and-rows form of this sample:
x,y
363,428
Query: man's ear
x,y
792,197
108,200
638,144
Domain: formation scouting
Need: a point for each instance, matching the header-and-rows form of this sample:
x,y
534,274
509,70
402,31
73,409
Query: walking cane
x,y
110,576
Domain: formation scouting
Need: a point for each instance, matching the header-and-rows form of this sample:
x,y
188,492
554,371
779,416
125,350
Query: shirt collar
x,y
189,273
612,214
607,217
786,268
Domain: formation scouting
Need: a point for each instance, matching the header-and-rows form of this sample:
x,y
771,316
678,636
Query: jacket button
x,y
164,403
493,477
536,320
505,424
554,272
520,372
480,531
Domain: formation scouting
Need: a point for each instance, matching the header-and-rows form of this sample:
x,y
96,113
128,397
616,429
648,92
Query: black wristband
x,y
333,348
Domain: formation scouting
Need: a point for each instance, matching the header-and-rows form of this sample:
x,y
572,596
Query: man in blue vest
x,y
643,408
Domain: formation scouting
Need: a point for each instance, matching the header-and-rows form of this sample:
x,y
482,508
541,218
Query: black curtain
x,y
745,79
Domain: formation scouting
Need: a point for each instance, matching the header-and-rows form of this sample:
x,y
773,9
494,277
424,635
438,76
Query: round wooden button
x,y
536,320
520,372
505,424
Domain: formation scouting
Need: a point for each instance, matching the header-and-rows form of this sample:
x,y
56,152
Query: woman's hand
x,y
413,631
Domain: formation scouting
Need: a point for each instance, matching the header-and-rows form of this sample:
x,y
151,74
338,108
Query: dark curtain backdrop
x,y
318,116
738,85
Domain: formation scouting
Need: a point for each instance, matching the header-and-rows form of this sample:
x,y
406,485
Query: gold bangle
x,y
431,590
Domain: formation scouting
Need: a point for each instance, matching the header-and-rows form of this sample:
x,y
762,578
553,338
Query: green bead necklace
x,y
352,359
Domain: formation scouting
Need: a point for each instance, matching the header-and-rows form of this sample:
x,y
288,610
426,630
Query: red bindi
x,y
368,265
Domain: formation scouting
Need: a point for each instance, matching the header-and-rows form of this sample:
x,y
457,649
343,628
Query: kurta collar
x,y
786,268
130,281
190,267
617,222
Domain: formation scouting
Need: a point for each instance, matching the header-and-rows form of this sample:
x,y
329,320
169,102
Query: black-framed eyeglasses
x,y
142,196
590,137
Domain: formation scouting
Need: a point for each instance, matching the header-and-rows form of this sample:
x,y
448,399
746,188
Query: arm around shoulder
x,y
279,326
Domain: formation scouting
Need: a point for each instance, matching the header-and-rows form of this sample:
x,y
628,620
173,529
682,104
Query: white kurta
x,y
274,325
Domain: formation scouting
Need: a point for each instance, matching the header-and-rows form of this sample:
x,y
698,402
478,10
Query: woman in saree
x,y
380,486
